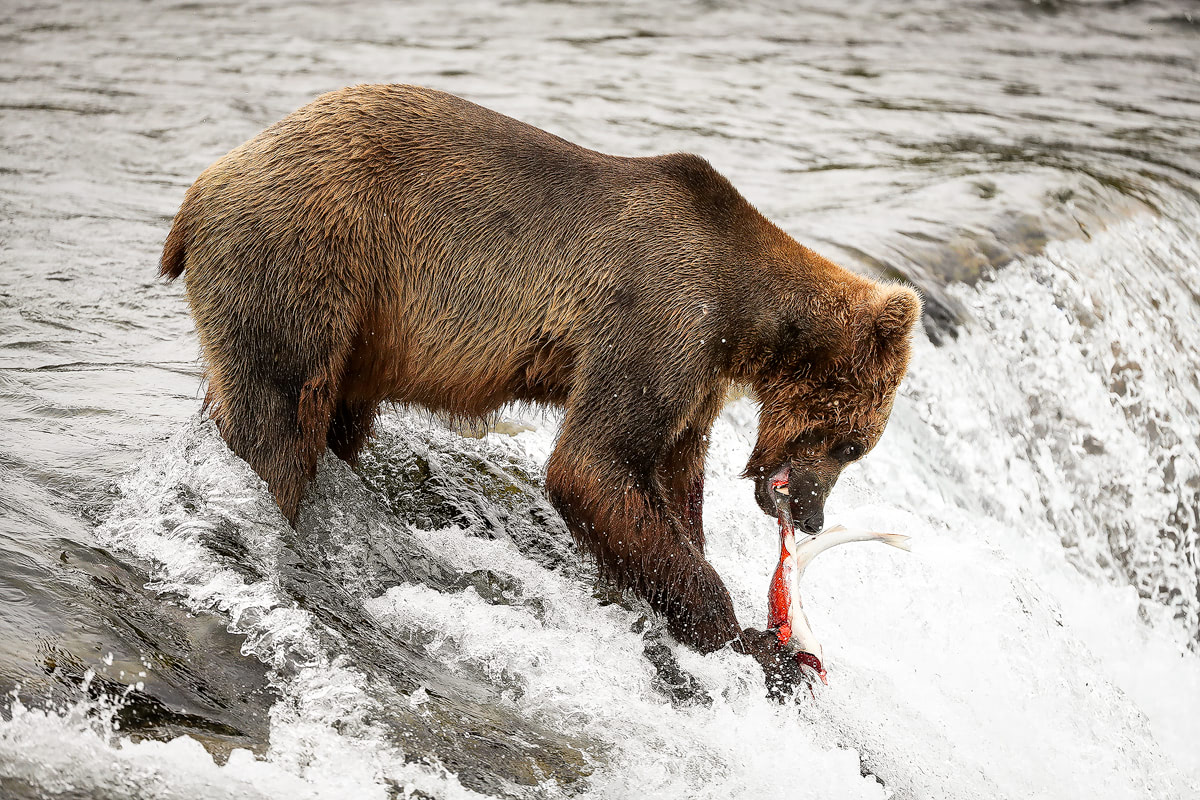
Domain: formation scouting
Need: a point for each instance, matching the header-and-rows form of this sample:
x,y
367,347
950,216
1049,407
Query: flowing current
x,y
428,629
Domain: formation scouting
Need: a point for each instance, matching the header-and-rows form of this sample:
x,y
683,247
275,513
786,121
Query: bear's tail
x,y
174,251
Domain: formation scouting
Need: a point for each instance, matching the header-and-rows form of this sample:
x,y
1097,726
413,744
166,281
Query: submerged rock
x,y
164,671
355,539
433,478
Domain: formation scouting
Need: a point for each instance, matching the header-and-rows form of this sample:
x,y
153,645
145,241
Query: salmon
x,y
785,613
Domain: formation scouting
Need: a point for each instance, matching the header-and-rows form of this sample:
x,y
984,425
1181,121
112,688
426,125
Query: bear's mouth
x,y
779,489
771,493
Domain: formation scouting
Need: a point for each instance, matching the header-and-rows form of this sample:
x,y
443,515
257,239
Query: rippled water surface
x,y
1032,167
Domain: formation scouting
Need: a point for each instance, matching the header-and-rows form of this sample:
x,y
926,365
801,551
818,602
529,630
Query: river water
x,y
428,630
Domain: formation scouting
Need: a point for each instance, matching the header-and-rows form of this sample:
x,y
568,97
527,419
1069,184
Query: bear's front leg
x,y
606,477
681,469
615,517
613,512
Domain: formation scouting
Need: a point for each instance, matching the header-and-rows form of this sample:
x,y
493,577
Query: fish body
x,y
785,613
783,599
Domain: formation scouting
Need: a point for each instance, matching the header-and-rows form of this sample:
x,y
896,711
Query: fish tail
x,y
897,540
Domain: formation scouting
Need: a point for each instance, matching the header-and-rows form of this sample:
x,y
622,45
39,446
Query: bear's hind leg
x,y
280,431
351,427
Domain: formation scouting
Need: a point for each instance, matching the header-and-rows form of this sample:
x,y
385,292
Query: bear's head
x,y
827,374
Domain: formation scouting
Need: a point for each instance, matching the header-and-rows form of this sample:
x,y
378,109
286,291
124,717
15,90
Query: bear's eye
x,y
848,451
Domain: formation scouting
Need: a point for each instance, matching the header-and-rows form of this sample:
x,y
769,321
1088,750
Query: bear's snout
x,y
806,500
814,522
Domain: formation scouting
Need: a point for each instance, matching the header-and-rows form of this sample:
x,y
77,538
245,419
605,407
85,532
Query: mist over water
x,y
428,629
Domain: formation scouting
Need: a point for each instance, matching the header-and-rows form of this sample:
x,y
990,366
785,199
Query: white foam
x,y
321,729
74,751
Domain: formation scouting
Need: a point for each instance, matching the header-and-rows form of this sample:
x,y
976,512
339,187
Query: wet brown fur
x,y
393,243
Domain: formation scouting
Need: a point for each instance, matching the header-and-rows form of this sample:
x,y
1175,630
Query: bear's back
x,y
468,239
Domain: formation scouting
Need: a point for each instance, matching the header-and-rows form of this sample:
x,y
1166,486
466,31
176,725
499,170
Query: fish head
x,y
812,662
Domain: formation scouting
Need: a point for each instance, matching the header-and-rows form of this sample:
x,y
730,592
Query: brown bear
x,y
395,243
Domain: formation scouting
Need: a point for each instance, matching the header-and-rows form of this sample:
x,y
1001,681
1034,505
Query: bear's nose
x,y
813,522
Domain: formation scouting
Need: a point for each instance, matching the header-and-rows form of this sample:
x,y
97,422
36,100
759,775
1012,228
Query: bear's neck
x,y
796,307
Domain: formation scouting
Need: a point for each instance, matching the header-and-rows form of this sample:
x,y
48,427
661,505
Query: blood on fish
x,y
779,600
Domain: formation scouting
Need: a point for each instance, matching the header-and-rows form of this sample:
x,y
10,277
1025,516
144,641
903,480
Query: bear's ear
x,y
897,309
